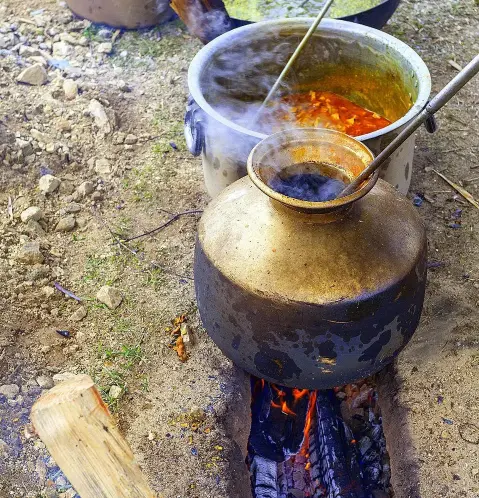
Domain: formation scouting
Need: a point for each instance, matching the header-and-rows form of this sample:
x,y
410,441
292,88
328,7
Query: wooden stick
x,y
205,19
80,434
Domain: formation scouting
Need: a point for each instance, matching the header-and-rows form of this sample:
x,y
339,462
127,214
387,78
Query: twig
x,y
164,225
122,244
459,189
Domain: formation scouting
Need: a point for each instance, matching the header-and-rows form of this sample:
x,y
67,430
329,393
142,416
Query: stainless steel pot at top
x,y
368,66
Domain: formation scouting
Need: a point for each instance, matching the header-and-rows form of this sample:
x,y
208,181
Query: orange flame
x,y
286,410
309,418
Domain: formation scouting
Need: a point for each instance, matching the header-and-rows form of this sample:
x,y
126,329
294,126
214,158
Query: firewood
x,y
205,19
81,435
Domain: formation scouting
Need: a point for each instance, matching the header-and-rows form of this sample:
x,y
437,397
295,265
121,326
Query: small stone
x,y
48,291
35,75
4,449
102,167
25,147
62,50
79,314
30,254
26,51
63,125
70,88
86,188
35,229
131,139
45,382
39,136
31,213
151,436
96,196
62,377
73,207
98,112
50,147
114,392
66,224
109,296
10,391
105,48
48,184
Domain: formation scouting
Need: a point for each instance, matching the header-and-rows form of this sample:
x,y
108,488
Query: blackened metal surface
x,y
305,304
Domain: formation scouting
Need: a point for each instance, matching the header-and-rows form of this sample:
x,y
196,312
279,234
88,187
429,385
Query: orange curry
x,y
329,110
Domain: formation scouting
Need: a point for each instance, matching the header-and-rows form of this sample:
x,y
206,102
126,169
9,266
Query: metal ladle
x,y
295,55
442,98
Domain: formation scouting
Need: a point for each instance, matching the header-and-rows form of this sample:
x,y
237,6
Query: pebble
x,y
79,314
35,229
31,213
39,136
48,184
62,50
109,296
63,125
47,291
86,188
66,224
30,253
73,207
45,382
34,75
115,392
70,88
131,139
10,391
105,48
98,112
3,449
62,377
26,51
25,147
102,167
97,196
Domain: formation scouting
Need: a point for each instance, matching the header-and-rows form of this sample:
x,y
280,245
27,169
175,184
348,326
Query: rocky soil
x,y
92,153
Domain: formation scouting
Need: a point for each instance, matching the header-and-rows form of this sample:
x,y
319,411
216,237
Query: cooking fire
x,y
321,444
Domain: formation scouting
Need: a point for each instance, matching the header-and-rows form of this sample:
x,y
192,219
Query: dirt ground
x,y
186,420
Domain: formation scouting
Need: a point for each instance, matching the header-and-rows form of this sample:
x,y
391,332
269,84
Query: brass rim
x,y
308,206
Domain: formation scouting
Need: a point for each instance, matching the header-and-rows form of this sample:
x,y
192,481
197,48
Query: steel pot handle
x,y
194,131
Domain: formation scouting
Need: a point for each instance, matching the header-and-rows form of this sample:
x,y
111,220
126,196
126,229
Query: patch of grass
x,y
93,268
140,184
155,278
92,33
123,227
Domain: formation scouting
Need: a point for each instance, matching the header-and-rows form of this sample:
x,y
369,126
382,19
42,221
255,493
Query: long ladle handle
x,y
295,55
442,98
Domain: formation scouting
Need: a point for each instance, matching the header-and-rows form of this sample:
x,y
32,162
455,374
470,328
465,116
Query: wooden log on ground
x,y
80,434
205,19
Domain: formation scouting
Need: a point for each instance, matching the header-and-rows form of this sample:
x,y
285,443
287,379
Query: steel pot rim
x,y
334,26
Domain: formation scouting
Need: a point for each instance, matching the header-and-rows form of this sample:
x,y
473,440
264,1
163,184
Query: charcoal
x,y
264,477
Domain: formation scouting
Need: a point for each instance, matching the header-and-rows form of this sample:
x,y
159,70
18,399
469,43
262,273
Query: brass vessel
x,y
310,294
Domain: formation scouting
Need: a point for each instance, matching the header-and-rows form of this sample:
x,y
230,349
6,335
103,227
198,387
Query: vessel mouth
x,y
306,168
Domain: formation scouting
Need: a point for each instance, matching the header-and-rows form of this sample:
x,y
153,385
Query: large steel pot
x,y
372,68
310,294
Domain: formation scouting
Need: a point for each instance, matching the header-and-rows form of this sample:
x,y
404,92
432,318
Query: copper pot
x,y
310,294
123,13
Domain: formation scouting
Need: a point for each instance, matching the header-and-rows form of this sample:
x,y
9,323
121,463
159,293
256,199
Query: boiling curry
x,y
328,110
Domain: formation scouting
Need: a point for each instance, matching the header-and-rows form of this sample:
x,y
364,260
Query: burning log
x,y
205,19
82,437
333,458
